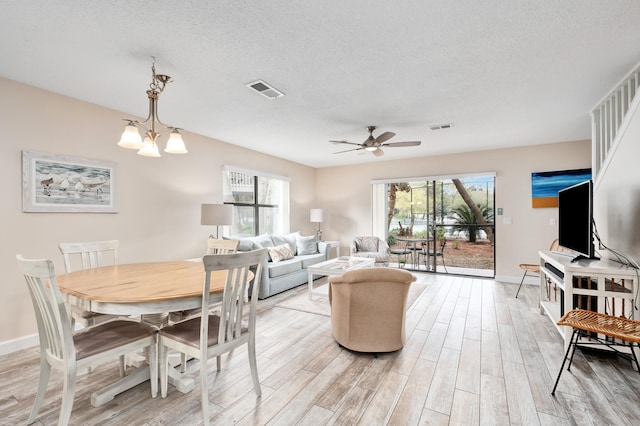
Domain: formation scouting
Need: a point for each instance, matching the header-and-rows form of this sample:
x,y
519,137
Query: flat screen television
x,y
575,219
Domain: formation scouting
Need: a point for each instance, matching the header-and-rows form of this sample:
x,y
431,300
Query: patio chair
x,y
427,253
402,252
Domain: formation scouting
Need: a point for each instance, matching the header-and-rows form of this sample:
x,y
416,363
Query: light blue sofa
x,y
286,274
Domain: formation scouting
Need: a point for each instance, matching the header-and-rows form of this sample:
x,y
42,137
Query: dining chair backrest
x,y
54,326
89,255
216,246
238,267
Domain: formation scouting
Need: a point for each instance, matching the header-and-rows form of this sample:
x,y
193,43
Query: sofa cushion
x,y
306,245
245,244
370,255
281,252
277,240
311,259
284,267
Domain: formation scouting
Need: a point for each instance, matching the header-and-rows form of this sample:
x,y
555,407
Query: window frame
x,y
256,206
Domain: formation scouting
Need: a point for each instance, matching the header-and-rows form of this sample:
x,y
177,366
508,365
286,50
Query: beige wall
x,y
346,193
159,199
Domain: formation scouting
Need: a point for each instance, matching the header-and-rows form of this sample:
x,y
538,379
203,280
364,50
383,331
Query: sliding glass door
x,y
442,224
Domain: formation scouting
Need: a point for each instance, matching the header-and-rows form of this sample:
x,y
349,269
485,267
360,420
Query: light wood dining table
x,y
150,290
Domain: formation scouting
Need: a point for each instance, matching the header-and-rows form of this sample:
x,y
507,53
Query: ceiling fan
x,y
373,145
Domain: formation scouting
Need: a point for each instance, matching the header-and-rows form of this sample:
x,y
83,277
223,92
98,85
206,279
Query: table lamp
x,y
216,215
317,216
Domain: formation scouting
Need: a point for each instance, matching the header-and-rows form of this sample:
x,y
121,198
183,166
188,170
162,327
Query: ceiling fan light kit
x,y
373,145
147,146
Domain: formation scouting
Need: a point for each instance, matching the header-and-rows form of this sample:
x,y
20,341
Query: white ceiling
x,y
505,73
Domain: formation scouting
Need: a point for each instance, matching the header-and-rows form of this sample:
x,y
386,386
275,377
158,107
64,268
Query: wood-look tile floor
x,y
474,355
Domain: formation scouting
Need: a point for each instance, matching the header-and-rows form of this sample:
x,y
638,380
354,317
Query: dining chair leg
x,y
68,393
204,388
45,372
254,366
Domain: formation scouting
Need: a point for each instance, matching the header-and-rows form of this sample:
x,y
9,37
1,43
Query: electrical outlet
x,y
552,221
506,221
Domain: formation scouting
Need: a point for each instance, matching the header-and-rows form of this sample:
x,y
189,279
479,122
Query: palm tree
x,y
464,216
393,188
474,210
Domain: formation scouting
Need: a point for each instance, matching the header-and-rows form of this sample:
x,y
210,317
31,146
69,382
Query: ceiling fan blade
x,y
344,142
378,152
401,144
349,150
385,137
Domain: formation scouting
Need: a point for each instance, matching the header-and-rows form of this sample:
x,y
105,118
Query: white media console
x,y
596,285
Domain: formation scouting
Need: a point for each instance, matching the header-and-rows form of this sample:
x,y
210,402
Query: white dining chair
x,y
70,352
211,335
88,255
85,256
216,246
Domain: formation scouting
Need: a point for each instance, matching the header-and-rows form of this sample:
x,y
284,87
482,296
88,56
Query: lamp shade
x,y
317,215
149,148
216,214
175,144
130,137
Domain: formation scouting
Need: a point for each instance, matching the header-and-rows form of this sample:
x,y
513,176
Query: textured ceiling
x,y
505,73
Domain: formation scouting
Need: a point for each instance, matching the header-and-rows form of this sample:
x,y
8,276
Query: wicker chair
x,y
595,323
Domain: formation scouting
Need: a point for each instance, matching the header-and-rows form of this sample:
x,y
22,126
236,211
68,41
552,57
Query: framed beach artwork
x,y
60,183
545,185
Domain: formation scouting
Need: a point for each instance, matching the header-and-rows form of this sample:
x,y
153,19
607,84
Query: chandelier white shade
x,y
148,146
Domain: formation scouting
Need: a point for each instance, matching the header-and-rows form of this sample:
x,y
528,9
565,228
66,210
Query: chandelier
x,y
147,146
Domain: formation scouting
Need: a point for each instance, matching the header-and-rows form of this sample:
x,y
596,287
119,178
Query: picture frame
x,y
546,185
61,183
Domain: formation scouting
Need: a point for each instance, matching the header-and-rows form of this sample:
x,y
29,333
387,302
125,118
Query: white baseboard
x,y
18,344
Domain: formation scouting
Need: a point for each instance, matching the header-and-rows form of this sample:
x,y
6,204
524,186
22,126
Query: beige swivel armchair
x,y
368,308
372,248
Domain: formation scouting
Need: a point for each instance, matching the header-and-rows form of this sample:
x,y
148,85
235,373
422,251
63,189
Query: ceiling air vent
x,y
441,126
265,89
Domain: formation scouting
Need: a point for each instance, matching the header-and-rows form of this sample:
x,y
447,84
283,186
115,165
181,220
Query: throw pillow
x,y
279,253
291,240
306,245
369,244
263,240
245,244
